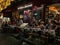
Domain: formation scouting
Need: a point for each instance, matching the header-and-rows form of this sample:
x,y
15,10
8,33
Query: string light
x,y
1,1
4,4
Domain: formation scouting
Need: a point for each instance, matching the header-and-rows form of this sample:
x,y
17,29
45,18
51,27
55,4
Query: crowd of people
x,y
47,31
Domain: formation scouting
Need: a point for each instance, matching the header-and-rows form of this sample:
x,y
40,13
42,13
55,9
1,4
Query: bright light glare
x,y
20,7
26,6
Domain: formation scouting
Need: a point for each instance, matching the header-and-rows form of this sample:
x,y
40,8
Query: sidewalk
x,y
7,40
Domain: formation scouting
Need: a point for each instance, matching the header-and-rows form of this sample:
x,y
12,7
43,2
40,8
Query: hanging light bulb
x,y
1,1
4,4
7,3
12,0
0,8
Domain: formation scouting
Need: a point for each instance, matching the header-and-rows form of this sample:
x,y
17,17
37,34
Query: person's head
x,y
34,19
42,23
5,22
53,27
49,22
42,26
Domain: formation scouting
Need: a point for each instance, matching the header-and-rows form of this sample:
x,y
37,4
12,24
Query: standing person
x,y
51,35
43,35
5,26
25,18
42,26
20,22
34,22
50,24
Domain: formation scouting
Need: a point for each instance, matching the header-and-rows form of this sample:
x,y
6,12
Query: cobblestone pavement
x,y
5,39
